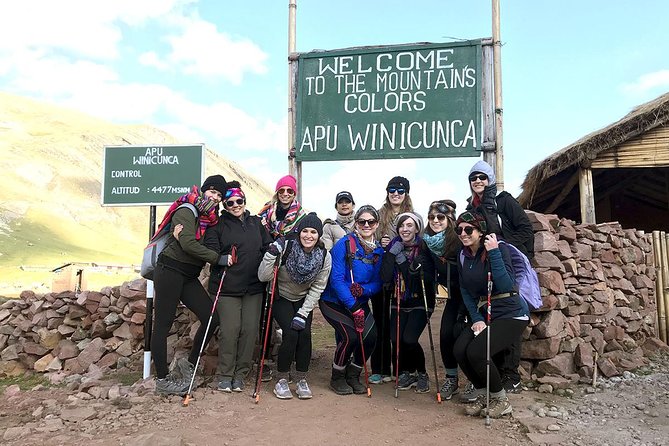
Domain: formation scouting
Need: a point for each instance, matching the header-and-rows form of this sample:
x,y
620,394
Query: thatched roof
x,y
640,120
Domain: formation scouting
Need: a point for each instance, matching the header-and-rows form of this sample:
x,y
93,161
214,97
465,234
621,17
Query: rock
x,y
10,352
14,433
12,390
653,345
157,439
66,349
607,367
551,324
123,331
92,353
544,259
55,365
78,414
42,363
49,339
545,241
561,364
583,355
540,348
552,281
553,427
545,388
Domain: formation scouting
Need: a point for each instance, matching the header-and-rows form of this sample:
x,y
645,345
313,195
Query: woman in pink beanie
x,y
282,213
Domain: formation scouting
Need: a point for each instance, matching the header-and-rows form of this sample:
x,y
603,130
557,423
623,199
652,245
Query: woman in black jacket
x,y
240,298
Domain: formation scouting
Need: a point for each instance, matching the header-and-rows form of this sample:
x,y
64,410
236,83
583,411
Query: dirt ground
x,y
631,410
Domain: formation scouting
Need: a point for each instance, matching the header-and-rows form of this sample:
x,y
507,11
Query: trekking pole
x,y
487,365
362,350
397,337
263,329
277,263
188,396
429,330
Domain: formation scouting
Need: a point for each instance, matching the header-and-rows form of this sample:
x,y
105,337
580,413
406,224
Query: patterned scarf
x,y
303,266
282,227
208,210
436,242
411,252
367,246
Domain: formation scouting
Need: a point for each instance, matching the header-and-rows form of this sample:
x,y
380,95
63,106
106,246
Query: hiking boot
x,y
449,388
353,379
186,369
303,391
282,391
266,373
498,407
423,383
225,385
477,407
470,394
237,385
407,381
376,379
170,386
338,383
511,385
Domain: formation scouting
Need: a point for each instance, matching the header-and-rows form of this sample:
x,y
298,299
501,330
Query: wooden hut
x,y
618,173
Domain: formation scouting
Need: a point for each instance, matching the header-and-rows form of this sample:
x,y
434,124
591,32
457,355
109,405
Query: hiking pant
x,y
470,350
295,345
348,339
412,324
448,332
171,287
239,317
382,356
508,361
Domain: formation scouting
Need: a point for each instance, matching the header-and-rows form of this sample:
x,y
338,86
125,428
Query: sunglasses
x,y
481,177
231,203
286,190
392,190
440,217
363,222
469,230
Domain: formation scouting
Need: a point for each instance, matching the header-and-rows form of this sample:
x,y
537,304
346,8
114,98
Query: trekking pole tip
x,y
487,421
186,401
369,392
438,397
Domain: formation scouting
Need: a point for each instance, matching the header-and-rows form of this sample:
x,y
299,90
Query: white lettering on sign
x,y
126,174
124,190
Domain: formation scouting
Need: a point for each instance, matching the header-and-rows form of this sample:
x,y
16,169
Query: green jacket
x,y
188,249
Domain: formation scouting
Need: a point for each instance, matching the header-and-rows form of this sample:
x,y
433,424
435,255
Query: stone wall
x,y
598,291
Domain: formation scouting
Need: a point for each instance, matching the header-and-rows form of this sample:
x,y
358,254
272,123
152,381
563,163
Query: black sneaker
x,y
266,373
511,385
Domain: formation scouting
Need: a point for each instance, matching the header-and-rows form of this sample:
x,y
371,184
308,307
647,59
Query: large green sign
x,y
407,101
150,175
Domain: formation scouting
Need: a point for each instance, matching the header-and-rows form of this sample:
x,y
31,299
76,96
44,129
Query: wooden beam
x,y
562,195
587,195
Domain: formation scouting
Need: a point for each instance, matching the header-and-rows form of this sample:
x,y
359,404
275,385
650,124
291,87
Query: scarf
x,y
281,227
436,242
303,266
208,210
411,253
344,220
367,246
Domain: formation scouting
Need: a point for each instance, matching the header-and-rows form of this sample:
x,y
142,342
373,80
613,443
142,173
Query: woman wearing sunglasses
x,y
440,267
507,219
241,292
281,214
354,279
397,201
401,269
481,255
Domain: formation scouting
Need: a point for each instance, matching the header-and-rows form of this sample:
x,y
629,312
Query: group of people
x,y
374,274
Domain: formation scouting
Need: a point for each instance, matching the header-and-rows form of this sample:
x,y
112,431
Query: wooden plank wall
x,y
648,150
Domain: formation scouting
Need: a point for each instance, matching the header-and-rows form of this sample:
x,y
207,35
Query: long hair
x,y
386,216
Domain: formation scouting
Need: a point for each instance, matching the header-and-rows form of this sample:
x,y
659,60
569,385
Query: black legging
x,y
295,345
470,350
448,332
171,287
412,324
348,339
383,354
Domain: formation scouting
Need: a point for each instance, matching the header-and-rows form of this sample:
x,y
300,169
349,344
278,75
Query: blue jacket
x,y
366,272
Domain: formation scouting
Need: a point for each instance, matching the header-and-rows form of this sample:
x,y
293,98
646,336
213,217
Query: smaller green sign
x,y
150,175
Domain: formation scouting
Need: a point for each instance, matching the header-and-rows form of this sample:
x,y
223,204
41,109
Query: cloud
x,y
151,59
647,82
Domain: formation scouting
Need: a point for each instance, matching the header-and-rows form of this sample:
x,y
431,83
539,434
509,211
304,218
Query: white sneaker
x,y
282,391
303,391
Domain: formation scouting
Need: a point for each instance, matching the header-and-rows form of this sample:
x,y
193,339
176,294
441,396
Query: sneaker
x,y
376,379
511,385
498,407
225,385
303,391
387,378
407,380
237,385
470,394
169,386
422,383
282,391
185,369
266,373
477,407
449,388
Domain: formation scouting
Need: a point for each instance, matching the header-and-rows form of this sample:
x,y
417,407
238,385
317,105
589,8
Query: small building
x,y
618,173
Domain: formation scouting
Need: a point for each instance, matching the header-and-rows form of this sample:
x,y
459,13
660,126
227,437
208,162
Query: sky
x,y
216,72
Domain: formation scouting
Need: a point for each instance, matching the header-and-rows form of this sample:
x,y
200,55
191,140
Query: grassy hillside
x,y
50,212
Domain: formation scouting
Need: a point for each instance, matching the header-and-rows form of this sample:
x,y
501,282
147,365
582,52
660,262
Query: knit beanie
x,y
482,167
286,181
368,209
473,218
215,182
310,220
446,207
398,183
412,215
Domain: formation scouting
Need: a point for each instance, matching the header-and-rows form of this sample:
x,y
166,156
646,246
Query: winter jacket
x,y
411,285
251,239
333,230
366,269
474,285
292,291
438,270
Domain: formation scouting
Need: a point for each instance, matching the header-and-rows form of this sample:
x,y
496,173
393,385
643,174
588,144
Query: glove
x,y
298,323
225,260
356,290
359,320
277,247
